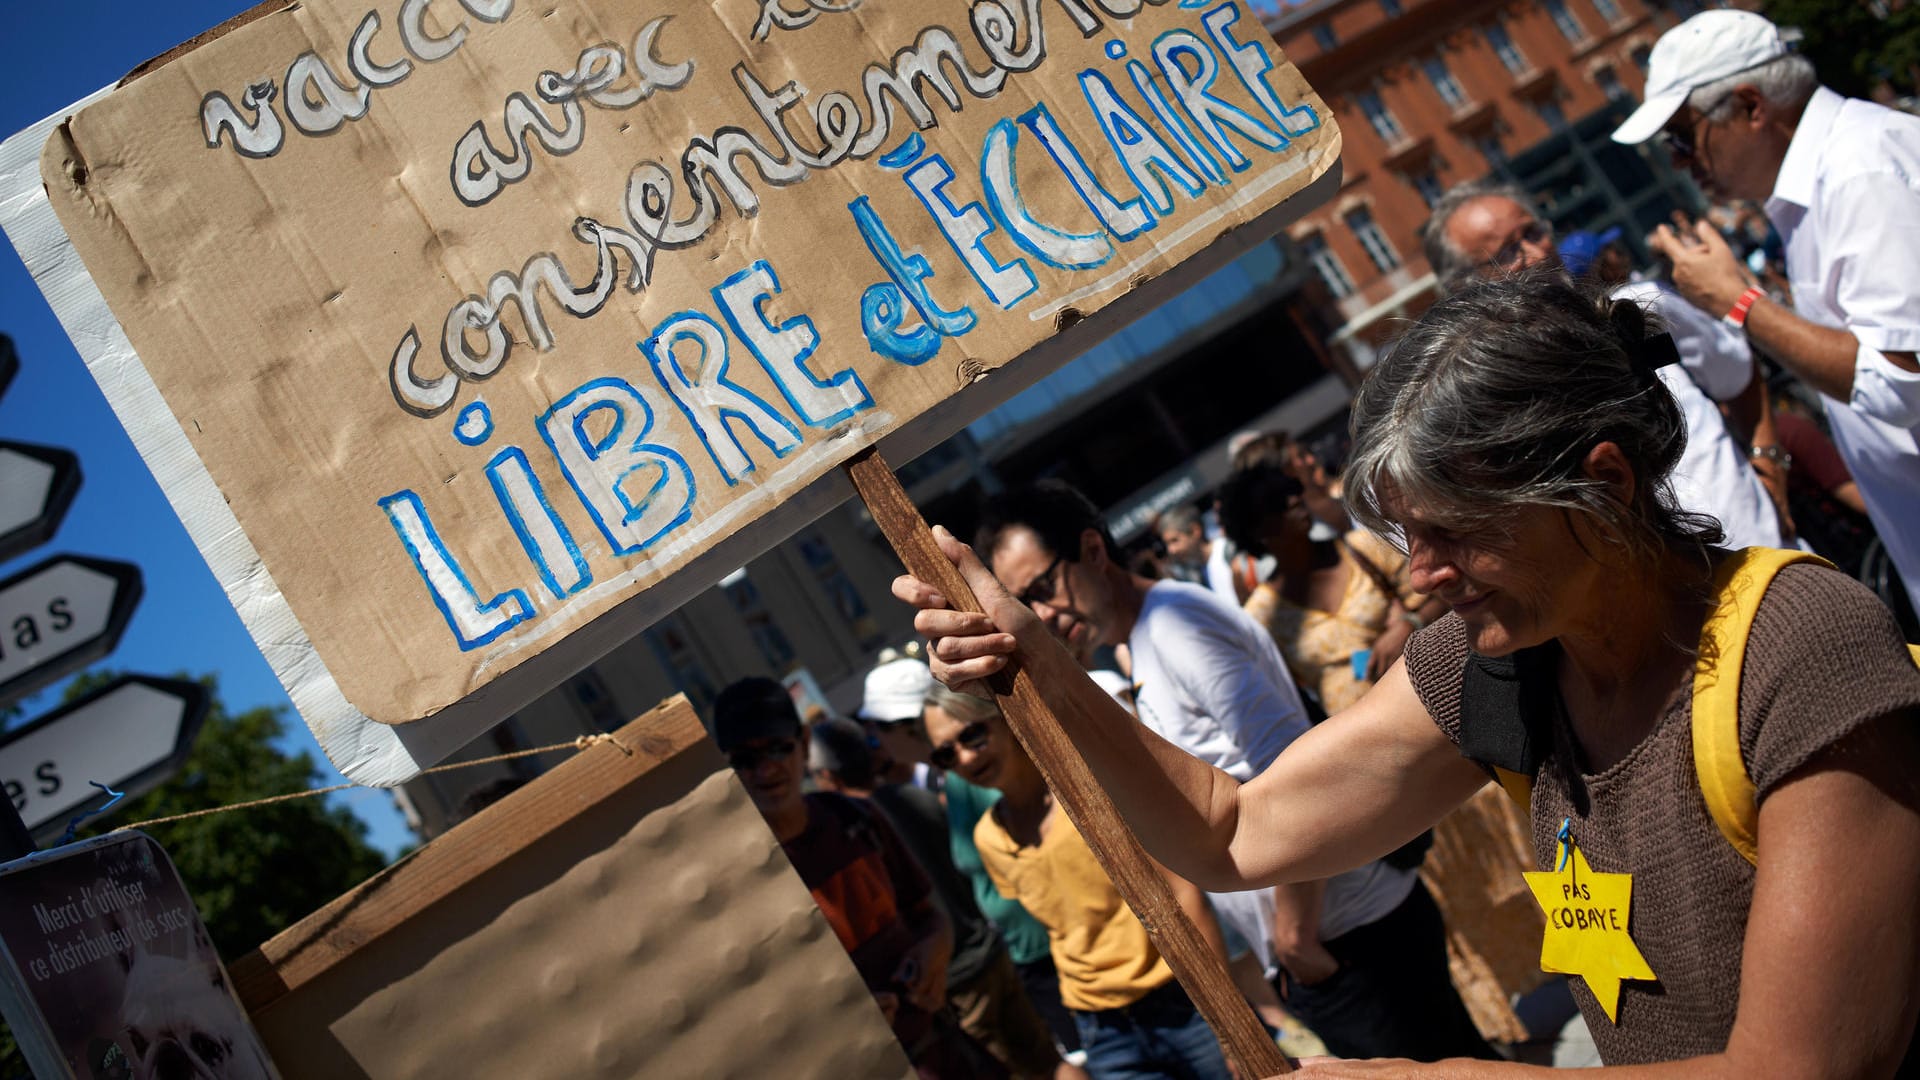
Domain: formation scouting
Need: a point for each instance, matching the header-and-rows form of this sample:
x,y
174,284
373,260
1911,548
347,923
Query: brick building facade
x,y
1430,93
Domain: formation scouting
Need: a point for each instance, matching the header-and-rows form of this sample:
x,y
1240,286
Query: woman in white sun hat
x,y
895,692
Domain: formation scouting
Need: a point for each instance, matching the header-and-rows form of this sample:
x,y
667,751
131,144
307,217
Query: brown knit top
x,y
1823,658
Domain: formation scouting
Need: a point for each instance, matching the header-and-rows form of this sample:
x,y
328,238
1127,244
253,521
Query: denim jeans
x,y
1160,1035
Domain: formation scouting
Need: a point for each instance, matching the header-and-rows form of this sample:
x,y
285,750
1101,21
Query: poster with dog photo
x,y
109,973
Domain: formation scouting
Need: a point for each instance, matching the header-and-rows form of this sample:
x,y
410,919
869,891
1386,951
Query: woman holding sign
x,y
1718,748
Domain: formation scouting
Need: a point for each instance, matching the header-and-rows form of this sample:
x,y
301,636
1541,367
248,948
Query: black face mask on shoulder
x,y
1507,705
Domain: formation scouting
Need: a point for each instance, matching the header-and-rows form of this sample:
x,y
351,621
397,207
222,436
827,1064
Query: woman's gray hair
x,y
1785,81
1491,403
1453,267
965,708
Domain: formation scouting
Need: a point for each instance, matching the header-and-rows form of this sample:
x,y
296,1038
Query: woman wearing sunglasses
x,y
1727,855
1133,1019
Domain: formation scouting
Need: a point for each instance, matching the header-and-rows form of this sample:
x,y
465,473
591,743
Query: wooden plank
x,y
1031,717
358,919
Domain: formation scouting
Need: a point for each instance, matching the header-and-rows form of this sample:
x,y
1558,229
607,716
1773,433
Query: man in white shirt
x,y
1194,556
1210,680
1841,183
1483,229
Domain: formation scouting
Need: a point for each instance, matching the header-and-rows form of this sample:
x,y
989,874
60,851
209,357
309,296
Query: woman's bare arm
x,y
1352,789
1830,970
1832,953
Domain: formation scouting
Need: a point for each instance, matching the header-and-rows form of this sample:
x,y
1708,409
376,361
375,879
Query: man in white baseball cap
x,y
1710,46
1840,179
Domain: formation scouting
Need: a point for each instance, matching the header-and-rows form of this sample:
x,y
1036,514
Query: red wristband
x,y
1737,315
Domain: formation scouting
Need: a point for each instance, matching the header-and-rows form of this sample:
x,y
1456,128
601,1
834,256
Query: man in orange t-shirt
x,y
875,897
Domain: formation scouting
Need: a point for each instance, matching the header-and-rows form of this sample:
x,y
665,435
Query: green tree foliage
x,y
1851,47
252,872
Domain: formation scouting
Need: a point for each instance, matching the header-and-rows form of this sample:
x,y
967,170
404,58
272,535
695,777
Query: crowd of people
x,y
1564,578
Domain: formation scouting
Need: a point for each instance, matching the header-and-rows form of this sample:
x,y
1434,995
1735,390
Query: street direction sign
x,y
130,735
59,615
37,484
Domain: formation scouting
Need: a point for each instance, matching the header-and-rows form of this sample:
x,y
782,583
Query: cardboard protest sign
x,y
626,914
108,971
502,330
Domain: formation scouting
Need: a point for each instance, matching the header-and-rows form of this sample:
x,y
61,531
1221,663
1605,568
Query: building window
x,y
1490,148
1384,123
508,738
1609,11
1510,55
1609,83
1563,18
673,647
1550,113
1428,185
1324,37
1391,7
590,692
847,601
1444,83
1365,230
744,597
1641,56
1327,264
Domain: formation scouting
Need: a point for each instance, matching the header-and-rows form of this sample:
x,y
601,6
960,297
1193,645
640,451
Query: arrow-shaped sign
x,y
9,363
37,484
130,735
59,615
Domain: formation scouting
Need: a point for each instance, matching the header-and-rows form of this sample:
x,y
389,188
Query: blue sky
x,y
50,56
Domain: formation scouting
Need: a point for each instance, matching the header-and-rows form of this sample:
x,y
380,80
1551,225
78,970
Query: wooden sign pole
x,y
1031,717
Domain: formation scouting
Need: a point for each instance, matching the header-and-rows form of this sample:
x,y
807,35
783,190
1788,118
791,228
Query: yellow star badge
x,y
1587,927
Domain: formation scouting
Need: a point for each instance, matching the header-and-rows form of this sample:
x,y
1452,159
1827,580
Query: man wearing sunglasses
x,y
1840,180
875,897
1210,680
1481,230
982,985
1127,1013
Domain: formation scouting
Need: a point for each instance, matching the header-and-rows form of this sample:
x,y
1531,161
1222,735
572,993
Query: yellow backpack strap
x,y
1519,787
1739,584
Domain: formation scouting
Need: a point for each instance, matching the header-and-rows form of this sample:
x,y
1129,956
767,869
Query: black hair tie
x,y
1651,354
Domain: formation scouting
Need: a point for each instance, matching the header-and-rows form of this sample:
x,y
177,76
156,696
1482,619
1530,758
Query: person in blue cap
x,y
1483,230
1581,249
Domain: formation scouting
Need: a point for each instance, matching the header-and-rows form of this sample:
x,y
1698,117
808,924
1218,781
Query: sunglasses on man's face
x,y
973,737
1678,142
1041,589
1677,136
1514,250
748,758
